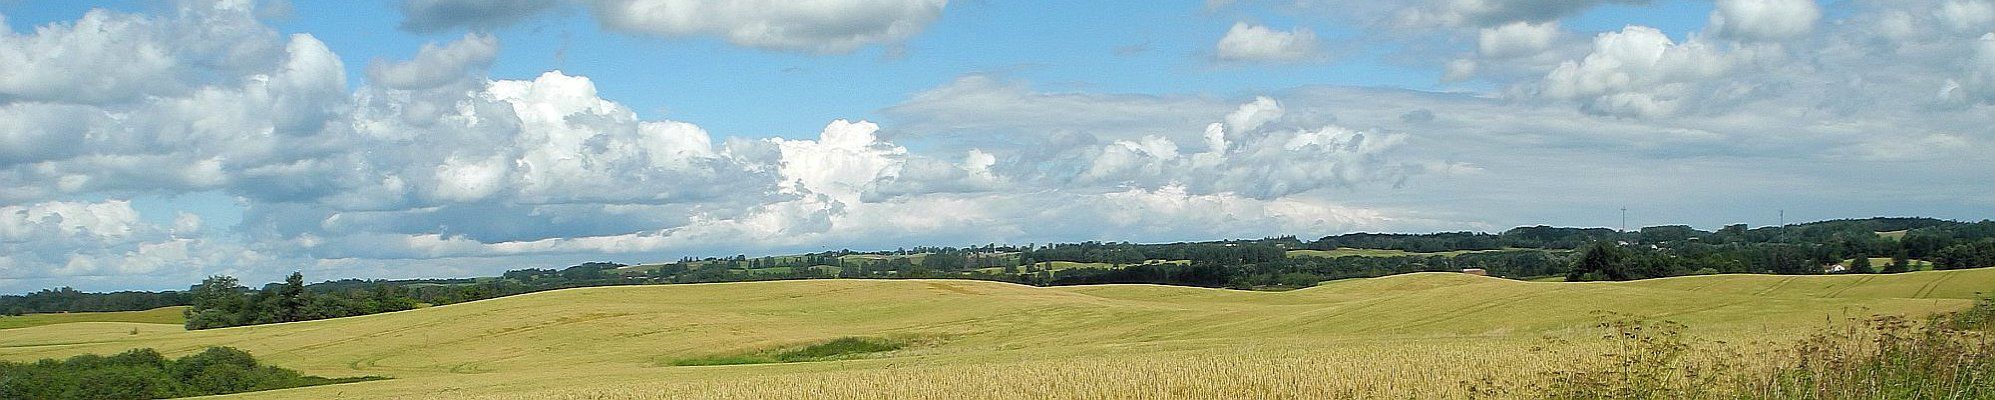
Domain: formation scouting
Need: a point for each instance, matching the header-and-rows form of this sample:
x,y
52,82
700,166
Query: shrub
x,y
836,349
1881,357
145,374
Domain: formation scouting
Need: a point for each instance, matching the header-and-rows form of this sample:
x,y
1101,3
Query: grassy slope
x,y
162,315
1415,329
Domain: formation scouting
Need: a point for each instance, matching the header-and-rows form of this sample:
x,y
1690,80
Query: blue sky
x,y
749,92
150,143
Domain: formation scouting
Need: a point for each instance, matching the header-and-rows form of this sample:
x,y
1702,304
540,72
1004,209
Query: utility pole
x,y
1783,225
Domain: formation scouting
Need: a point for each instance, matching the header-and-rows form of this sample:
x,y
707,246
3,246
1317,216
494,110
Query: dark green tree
x,y
218,302
291,298
1600,261
1898,264
944,261
1861,265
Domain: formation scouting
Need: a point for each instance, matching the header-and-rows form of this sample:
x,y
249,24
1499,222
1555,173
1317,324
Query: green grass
x,y
1413,335
1348,252
836,349
1892,234
162,315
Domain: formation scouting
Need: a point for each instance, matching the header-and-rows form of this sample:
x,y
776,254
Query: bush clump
x,y
836,349
145,374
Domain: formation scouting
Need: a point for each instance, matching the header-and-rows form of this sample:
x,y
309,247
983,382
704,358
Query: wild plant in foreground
x,y
1881,357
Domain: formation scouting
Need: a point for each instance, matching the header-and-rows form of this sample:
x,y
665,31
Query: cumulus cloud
x,y
1249,149
849,183
1516,39
71,239
1765,19
1245,42
433,167
1638,72
211,73
113,220
542,158
42,66
433,66
845,161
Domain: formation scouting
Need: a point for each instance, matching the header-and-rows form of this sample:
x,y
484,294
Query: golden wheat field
x,y
1424,335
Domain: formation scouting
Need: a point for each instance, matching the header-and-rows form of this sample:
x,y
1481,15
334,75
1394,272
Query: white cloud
x,y
433,161
113,220
1254,152
210,73
1516,39
1246,42
846,161
458,61
469,180
1968,15
186,224
1765,19
1176,210
1254,115
43,66
826,26
71,239
1459,70
1978,84
1638,72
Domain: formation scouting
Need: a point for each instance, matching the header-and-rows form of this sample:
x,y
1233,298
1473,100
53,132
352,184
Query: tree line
x,y
1523,252
68,299
222,301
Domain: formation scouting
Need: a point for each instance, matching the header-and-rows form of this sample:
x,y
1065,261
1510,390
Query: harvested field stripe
x,y
1776,286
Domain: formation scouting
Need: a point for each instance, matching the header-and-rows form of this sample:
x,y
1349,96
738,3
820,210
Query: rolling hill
x,y
1416,333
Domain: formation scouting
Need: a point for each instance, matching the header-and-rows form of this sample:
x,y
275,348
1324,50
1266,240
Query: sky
x,y
147,144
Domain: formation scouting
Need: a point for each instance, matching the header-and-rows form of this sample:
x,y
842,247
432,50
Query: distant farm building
x,y
1475,271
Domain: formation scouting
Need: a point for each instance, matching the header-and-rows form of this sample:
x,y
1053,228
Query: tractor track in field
x,y
1699,310
1926,292
1776,286
1859,282
1477,309
377,334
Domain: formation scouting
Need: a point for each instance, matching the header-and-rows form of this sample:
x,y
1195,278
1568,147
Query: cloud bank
x,y
433,166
